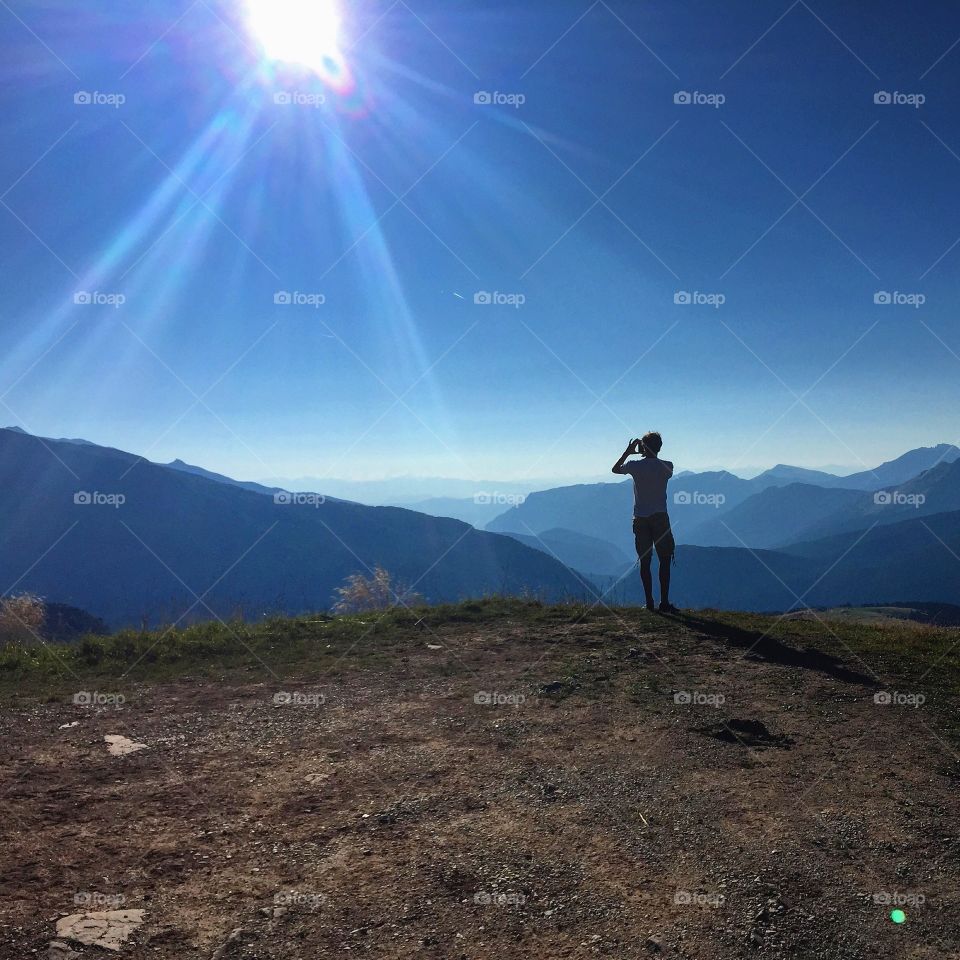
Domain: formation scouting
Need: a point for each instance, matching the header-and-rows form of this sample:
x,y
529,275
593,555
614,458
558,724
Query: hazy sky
x,y
587,197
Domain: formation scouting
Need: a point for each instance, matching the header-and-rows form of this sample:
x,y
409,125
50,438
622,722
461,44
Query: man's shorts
x,y
654,533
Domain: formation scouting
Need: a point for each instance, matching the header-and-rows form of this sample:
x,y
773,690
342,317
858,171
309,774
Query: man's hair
x,y
653,441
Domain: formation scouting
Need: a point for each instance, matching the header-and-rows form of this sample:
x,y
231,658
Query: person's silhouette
x,y
651,524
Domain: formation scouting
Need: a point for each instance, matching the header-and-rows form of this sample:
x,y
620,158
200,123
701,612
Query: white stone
x,y
101,928
120,746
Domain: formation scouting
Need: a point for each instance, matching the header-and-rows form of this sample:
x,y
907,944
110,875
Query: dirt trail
x,y
648,792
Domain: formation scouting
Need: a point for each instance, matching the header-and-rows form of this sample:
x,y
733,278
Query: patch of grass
x,y
369,640
905,656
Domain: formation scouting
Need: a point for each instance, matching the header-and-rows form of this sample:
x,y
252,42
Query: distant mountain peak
x,y
26,433
789,470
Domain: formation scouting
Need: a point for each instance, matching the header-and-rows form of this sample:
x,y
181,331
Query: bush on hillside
x,y
21,619
360,594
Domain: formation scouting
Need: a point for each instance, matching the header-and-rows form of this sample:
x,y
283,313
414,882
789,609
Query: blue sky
x,y
595,202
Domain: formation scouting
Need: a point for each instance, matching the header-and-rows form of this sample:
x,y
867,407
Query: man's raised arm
x,y
618,466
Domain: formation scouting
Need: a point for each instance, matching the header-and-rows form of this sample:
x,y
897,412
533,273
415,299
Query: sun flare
x,y
305,32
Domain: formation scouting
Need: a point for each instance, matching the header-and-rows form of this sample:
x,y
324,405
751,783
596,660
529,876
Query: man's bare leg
x,y
664,572
646,579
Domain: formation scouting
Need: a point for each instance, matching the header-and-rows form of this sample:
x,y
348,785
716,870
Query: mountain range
x,y
132,541
717,508
129,540
800,511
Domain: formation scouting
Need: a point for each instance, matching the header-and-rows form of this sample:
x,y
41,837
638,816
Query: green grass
x,y
287,644
869,614
914,658
904,652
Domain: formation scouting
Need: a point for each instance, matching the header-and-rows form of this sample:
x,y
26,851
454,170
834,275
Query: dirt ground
x,y
647,792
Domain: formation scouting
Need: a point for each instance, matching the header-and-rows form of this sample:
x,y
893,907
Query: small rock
x,y
120,746
221,951
58,950
653,945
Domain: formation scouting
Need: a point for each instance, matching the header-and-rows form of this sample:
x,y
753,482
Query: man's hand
x,y
631,449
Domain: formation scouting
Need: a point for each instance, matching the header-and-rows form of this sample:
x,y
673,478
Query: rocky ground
x,y
647,787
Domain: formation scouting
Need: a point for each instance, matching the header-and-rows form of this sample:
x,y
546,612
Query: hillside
x,y
780,515
128,540
917,558
724,578
578,551
473,510
210,475
493,779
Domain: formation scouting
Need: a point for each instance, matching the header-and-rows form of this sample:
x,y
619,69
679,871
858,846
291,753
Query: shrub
x,y
360,594
21,619
91,650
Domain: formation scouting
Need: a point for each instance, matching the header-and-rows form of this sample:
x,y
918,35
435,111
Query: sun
x,y
305,32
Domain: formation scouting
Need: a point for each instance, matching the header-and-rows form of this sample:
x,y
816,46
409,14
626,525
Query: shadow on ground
x,y
761,646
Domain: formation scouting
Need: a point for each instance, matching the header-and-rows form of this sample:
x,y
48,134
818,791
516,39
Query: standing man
x,y
651,525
